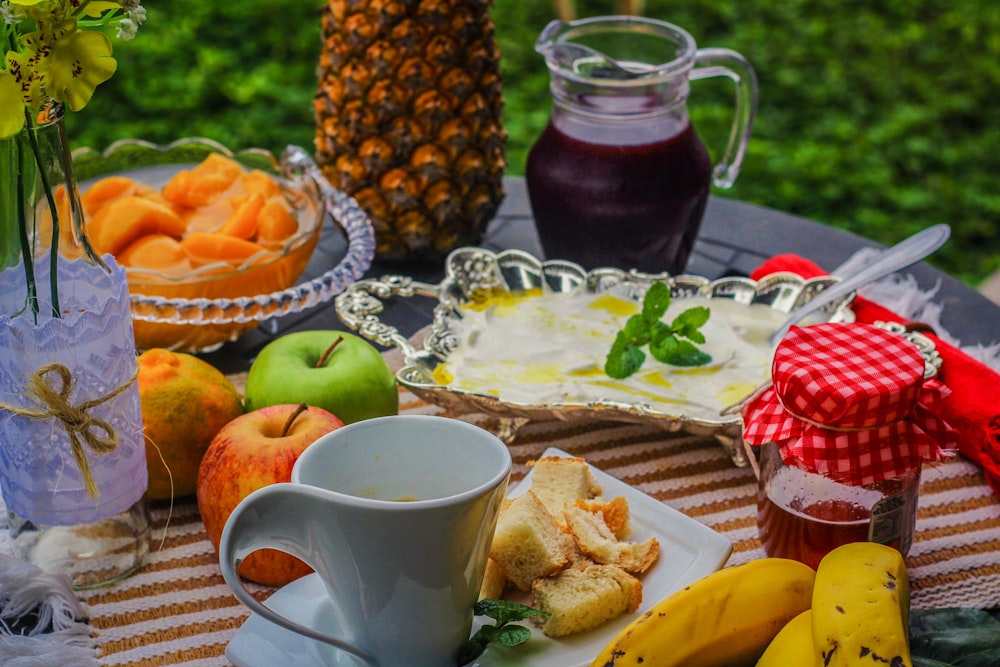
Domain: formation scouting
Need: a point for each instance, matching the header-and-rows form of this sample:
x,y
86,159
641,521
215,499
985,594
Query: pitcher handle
x,y
266,512
730,64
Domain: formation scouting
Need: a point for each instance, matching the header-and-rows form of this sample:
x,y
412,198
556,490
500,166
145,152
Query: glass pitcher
x,y
619,177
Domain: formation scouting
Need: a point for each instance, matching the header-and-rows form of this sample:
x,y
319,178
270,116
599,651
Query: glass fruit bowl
x,y
201,309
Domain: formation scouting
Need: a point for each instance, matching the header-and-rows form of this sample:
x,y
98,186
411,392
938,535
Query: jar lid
x,y
849,401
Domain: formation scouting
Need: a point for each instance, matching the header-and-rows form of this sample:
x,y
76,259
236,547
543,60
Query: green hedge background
x,y
877,117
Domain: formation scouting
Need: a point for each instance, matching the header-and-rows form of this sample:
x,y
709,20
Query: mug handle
x,y
265,512
730,64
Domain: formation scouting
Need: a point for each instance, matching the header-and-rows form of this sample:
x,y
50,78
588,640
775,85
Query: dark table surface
x,y
735,238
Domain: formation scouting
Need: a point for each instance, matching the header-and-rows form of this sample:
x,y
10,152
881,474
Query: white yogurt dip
x,y
545,349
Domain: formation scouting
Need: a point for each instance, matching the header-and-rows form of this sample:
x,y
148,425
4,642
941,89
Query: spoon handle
x,y
908,251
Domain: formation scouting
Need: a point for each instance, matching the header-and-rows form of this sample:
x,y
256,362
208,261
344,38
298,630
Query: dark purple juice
x,y
634,206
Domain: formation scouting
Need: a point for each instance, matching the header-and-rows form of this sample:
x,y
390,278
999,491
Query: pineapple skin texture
x,y
408,119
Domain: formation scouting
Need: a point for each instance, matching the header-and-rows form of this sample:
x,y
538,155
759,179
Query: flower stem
x,y
22,233
47,187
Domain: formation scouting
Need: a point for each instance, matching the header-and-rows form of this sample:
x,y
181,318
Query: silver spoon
x,y
908,251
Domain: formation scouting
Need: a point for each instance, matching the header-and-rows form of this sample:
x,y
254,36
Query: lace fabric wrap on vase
x,y
72,455
40,478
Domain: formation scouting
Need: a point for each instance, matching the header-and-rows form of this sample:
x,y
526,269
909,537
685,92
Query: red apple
x,y
252,451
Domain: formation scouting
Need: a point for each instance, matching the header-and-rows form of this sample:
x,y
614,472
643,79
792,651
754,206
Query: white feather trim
x,y
60,635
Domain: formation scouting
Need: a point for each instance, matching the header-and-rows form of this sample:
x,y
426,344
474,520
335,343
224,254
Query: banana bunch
x,y
859,613
726,619
851,612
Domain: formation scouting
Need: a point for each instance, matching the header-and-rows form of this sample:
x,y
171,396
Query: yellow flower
x,y
11,106
28,72
76,65
98,7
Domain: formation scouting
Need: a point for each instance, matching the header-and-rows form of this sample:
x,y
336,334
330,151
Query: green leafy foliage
x,y
959,636
504,612
672,343
875,117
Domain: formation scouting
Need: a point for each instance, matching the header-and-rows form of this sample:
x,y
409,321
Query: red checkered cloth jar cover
x,y
849,401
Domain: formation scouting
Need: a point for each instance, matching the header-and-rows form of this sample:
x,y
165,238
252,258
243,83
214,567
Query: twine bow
x,y
82,427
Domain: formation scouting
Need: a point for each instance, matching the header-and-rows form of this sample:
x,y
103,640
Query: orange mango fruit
x,y
212,219
157,252
242,223
185,401
123,221
206,248
259,181
275,225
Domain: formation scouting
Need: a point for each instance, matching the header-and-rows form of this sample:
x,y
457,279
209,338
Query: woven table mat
x,y
178,610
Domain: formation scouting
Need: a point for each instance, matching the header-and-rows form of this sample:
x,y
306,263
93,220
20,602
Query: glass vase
x,y
72,457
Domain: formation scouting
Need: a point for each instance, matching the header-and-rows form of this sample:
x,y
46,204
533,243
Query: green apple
x,y
333,370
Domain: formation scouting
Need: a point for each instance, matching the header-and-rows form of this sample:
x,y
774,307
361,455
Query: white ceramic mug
x,y
396,515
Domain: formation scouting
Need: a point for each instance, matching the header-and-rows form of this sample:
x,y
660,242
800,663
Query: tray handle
x,y
360,304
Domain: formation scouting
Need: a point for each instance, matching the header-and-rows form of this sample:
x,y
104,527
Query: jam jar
x,y
843,431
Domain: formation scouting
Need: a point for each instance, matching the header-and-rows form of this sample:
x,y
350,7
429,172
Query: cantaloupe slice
x,y
275,225
205,183
187,190
108,189
123,221
260,181
205,248
157,252
176,189
242,223
218,165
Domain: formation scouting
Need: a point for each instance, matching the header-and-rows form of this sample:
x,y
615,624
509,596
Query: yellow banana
x,y
861,606
725,619
793,646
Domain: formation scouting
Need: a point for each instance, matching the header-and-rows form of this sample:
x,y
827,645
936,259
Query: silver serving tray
x,y
472,273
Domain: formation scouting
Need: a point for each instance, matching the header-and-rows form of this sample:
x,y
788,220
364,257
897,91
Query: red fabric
x,y
848,401
973,407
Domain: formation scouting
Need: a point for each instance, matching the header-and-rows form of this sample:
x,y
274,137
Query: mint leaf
x,y
624,358
503,612
688,322
512,635
687,355
665,341
665,348
636,328
656,302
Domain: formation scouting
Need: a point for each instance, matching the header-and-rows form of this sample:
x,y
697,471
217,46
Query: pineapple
x,y
408,116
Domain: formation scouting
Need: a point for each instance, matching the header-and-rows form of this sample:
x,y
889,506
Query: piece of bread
x,y
559,481
581,598
615,512
597,541
494,581
529,543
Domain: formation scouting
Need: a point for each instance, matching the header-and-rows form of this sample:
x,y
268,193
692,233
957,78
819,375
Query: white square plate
x,y
689,550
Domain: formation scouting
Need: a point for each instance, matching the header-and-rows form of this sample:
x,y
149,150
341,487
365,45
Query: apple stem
x,y
302,407
329,351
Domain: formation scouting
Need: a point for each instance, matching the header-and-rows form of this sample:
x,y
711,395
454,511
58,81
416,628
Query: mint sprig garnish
x,y
673,343
504,612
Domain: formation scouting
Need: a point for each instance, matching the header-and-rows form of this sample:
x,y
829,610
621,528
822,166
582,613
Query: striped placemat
x,y
178,610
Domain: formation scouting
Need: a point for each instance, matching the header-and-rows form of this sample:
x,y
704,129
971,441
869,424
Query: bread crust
x,y
568,546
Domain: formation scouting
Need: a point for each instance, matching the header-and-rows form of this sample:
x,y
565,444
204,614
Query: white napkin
x,y
900,293
58,634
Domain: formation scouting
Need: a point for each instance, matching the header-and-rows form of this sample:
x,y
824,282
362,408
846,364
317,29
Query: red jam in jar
x,y
804,516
